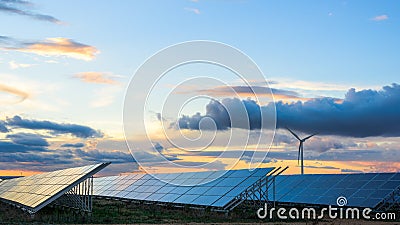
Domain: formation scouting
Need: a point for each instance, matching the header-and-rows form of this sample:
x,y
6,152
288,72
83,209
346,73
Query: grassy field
x,y
116,212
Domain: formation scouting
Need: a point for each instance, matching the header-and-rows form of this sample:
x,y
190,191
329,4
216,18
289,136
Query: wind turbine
x,y
301,150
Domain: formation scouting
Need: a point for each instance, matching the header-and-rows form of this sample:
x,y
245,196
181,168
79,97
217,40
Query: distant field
x,y
115,212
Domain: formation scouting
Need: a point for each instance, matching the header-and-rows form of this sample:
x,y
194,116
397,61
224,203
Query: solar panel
x,y
35,192
215,188
360,190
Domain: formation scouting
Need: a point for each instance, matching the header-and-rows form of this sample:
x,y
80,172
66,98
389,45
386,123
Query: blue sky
x,y
69,62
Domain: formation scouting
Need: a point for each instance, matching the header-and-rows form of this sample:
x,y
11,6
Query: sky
x,y
332,67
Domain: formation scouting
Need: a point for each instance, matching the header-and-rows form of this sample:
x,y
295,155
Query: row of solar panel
x,y
33,190
361,190
215,189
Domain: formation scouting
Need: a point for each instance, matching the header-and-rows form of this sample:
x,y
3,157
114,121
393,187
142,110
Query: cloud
x,y
361,114
158,147
19,7
33,160
14,65
251,91
96,77
350,171
55,47
323,144
41,158
10,147
322,167
338,155
3,127
380,18
75,145
104,156
193,10
57,128
22,95
28,139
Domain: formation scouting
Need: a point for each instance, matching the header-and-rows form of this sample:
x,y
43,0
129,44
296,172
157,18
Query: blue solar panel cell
x,y
229,182
396,177
217,174
390,185
180,190
198,190
166,189
355,201
186,199
248,181
383,176
155,197
122,194
261,172
205,200
371,185
222,201
371,202
219,191
362,193
131,195
380,193
169,197
239,173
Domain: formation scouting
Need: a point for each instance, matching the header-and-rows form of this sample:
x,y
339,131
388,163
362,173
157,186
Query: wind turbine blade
x,y
309,137
293,133
298,155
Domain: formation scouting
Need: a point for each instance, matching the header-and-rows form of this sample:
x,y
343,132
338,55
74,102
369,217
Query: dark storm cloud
x,y
14,156
3,128
19,7
103,156
74,145
218,111
54,158
10,147
360,114
28,139
350,171
56,128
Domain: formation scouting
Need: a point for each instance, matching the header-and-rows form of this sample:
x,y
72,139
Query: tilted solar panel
x,y
35,192
360,190
215,189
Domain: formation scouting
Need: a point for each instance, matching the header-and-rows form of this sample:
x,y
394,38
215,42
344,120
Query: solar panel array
x,y
215,189
360,190
34,192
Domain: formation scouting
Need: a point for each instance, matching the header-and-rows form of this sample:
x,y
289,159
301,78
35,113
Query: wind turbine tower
x,y
301,149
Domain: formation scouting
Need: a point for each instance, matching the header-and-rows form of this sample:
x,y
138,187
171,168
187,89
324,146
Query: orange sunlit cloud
x,y
14,91
61,47
248,92
96,77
